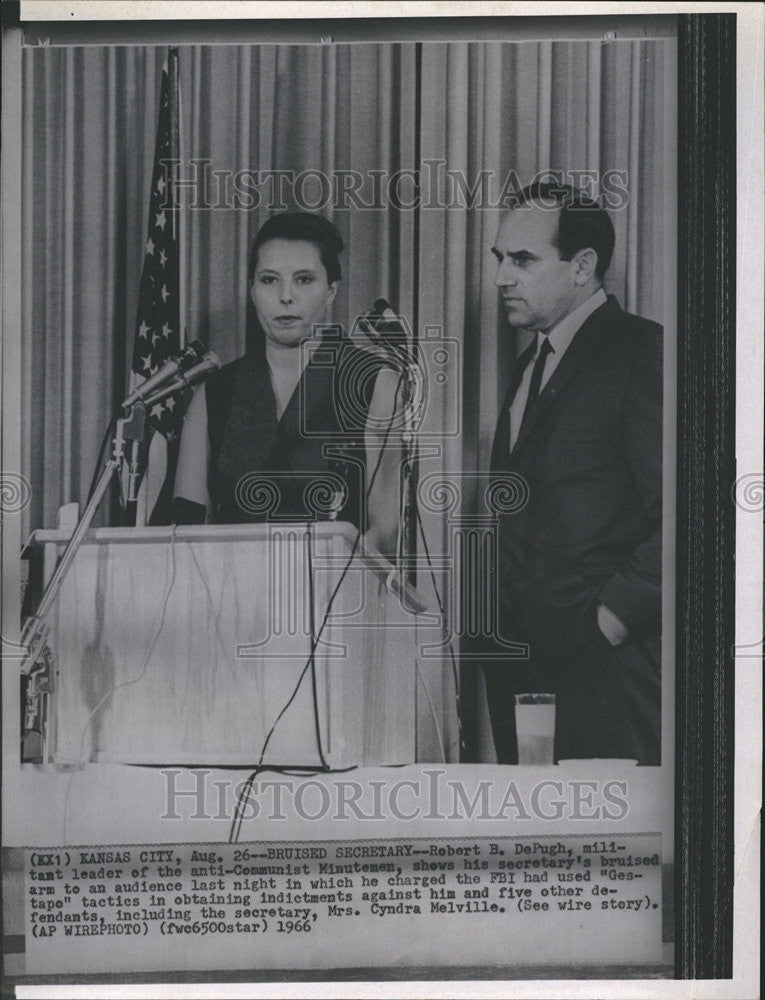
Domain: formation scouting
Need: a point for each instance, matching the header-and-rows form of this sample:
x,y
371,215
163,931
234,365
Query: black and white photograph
x,y
381,499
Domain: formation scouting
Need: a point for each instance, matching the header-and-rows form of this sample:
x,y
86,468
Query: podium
x,y
190,645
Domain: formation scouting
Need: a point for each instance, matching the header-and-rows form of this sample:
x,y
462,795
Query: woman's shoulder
x,y
220,389
221,384
226,374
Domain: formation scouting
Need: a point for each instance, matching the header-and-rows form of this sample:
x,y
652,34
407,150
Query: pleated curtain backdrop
x,y
598,115
511,110
569,108
89,124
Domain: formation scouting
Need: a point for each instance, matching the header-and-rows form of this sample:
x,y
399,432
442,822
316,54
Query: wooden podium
x,y
183,646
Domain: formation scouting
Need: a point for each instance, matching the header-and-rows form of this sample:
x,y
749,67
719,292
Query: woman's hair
x,y
301,226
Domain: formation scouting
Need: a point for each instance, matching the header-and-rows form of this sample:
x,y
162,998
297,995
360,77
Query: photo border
x,y
706,521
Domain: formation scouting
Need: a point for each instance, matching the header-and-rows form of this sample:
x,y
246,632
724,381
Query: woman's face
x,y
290,290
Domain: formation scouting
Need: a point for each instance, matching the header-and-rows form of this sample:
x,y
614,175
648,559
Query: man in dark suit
x,y
580,565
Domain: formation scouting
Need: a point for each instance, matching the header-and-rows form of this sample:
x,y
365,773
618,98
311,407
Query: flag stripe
x,y
158,319
157,323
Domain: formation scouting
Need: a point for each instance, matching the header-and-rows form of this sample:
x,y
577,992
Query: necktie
x,y
501,447
536,376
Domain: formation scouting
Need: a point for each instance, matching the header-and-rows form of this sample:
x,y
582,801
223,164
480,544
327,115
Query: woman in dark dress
x,y
302,425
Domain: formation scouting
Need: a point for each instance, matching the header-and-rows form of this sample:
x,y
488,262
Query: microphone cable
x,y
315,638
79,763
314,643
449,643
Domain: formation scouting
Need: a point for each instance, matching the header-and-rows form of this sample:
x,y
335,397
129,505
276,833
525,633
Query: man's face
x,y
538,287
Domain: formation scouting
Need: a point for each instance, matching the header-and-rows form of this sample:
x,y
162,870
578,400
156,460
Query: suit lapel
x,y
586,341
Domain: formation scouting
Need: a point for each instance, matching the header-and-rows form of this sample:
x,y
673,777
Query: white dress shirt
x,y
560,337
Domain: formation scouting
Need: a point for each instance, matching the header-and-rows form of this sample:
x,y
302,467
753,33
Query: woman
x,y
301,426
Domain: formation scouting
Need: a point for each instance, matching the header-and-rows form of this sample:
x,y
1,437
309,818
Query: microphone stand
x,y
402,352
130,428
36,660
36,666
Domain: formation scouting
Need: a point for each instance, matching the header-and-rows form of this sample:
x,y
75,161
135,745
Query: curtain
x,y
591,114
474,114
89,121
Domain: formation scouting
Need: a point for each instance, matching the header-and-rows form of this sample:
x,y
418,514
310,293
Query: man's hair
x,y
301,226
582,222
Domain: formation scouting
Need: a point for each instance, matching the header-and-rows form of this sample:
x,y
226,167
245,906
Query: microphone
x,y
385,327
185,380
178,363
389,332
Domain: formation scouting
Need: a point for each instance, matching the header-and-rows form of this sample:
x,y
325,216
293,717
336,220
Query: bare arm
x,y
384,454
193,458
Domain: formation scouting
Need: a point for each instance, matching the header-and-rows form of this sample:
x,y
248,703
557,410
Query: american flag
x,y
157,334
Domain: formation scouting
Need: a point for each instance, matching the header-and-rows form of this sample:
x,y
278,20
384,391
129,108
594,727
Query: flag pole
x,y
179,217
159,328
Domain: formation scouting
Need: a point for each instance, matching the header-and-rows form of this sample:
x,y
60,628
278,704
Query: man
x,y
580,566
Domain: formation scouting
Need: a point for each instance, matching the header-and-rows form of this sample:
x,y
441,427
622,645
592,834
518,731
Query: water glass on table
x,y
535,728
